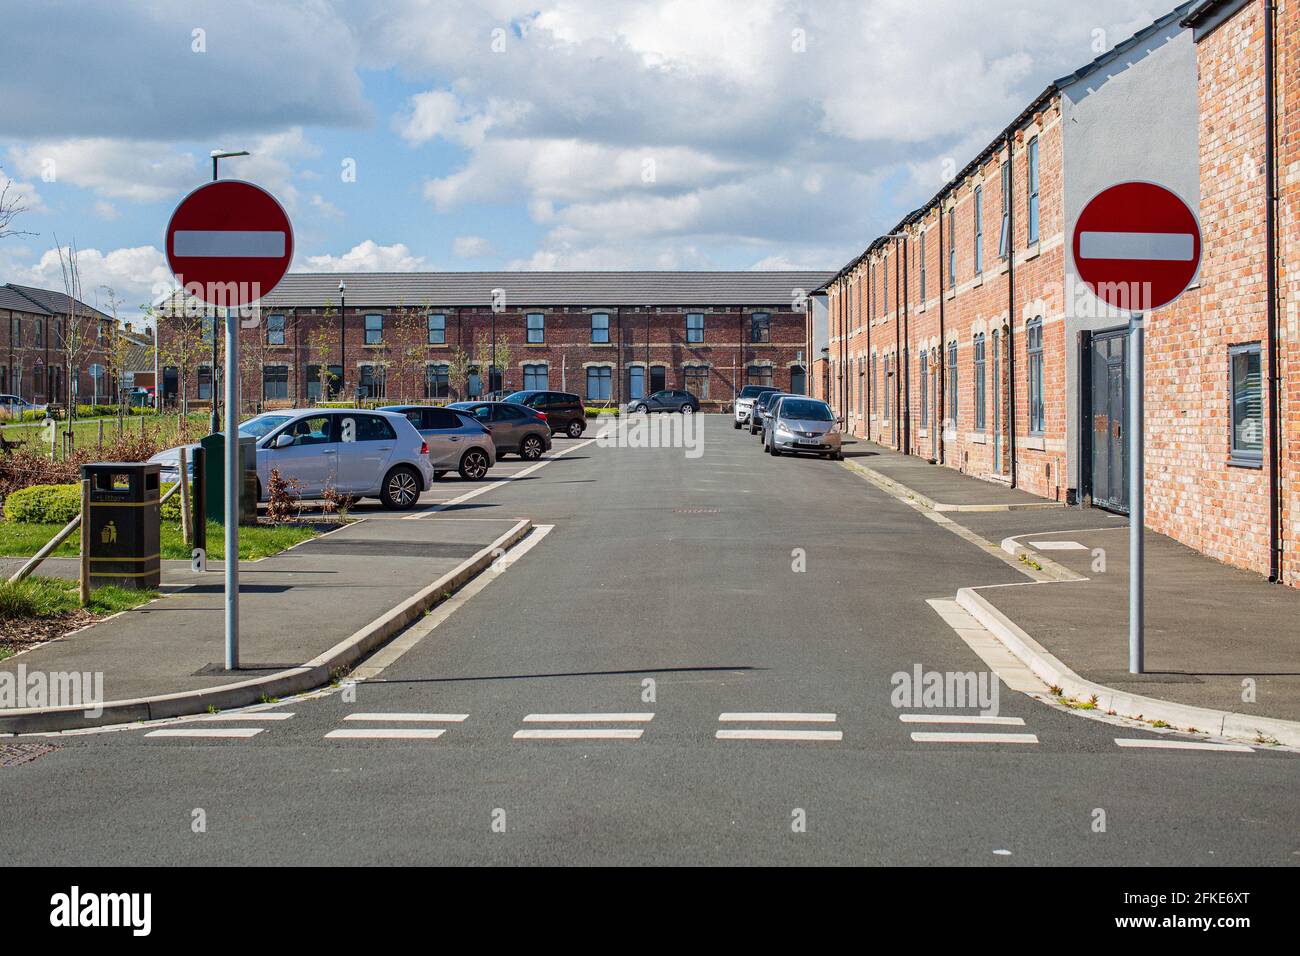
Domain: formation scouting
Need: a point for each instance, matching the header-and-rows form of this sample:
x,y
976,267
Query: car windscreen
x,y
806,411
518,397
262,425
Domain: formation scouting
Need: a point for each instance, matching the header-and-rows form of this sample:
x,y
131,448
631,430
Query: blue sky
x,y
490,134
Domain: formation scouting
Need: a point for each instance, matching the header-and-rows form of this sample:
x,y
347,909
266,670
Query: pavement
x,y
688,660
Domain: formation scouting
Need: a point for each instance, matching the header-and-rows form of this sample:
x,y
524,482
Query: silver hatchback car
x,y
796,424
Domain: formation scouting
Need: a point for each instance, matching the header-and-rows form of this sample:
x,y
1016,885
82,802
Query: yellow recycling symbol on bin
x,y
108,534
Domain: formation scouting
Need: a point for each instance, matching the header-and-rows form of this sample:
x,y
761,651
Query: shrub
x,y
43,504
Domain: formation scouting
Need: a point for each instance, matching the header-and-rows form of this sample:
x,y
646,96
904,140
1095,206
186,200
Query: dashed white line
x,y
522,473
580,733
777,718
206,732
386,733
412,718
264,715
779,735
923,737
1182,745
586,718
961,719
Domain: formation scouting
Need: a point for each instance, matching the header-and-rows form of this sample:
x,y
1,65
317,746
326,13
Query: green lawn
x,y
37,597
86,431
24,540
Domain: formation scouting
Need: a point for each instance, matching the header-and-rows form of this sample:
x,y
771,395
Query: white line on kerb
x,y
777,717
1058,546
213,732
580,733
779,735
1182,745
386,733
961,719
947,738
1144,246
586,718
227,244
411,718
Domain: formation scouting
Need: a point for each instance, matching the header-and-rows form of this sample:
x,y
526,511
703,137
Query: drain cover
x,y
11,755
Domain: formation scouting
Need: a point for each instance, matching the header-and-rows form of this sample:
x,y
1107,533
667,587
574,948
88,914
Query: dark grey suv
x,y
667,400
564,411
516,429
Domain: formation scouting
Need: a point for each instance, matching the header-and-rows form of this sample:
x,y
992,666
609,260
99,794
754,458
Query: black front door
x,y
1107,399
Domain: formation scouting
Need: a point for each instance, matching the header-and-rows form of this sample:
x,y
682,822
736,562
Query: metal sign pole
x,y
1137,516
233,480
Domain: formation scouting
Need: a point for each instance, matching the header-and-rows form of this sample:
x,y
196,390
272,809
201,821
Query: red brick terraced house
x,y
33,348
606,336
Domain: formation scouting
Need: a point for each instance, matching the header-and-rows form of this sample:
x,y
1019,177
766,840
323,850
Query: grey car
x,y
457,441
759,411
516,429
796,424
666,400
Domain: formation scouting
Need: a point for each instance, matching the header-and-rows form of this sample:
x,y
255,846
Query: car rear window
x,y
441,418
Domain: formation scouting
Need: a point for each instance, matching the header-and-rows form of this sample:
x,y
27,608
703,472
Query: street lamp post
x,y
217,154
343,307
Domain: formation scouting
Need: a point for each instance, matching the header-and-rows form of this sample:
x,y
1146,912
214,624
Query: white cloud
x,y
471,247
367,256
105,211
137,275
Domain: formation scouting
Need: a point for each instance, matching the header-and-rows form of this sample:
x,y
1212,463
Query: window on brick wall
x,y
1032,177
695,379
599,380
536,376
884,287
923,373
1004,231
437,328
978,391
374,329
979,229
889,385
1034,347
953,392
758,375
40,334
372,381
872,386
536,323
204,382
760,327
952,247
695,327
437,381
922,277
275,382
600,328
862,385
1247,404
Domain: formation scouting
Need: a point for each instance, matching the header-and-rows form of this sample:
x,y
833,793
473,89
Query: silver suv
x,y
745,402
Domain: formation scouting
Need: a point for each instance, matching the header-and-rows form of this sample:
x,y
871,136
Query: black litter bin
x,y
123,524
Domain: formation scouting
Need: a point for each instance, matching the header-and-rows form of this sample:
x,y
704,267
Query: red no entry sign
x,y
1137,246
229,243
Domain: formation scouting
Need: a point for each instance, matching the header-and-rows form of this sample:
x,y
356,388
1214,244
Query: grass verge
x,y
255,541
38,608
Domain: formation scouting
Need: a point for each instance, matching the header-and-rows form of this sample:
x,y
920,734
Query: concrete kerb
x,y
1054,673
295,680
900,490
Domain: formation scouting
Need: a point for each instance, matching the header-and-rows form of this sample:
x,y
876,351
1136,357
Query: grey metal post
x,y
1137,517
233,480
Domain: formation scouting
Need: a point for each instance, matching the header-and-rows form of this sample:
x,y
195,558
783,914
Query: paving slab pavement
x,y
940,487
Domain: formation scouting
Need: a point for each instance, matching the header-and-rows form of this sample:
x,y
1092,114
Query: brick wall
x,y
31,345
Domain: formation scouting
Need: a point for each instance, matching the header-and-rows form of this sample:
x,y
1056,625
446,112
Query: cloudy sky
x,y
573,134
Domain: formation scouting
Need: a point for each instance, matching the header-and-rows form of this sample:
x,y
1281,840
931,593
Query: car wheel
x,y
575,429
531,448
643,408
687,410
473,465
736,425
401,488
774,451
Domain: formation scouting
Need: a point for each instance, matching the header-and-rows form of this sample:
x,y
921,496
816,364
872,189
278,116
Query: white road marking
x,y
1058,546
1009,668
777,717
961,719
972,738
1143,246
779,735
214,732
386,733
580,733
413,718
261,715
586,718
497,484
1182,745
228,243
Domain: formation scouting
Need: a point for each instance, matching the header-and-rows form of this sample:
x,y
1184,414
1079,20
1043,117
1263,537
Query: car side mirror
x,y
283,440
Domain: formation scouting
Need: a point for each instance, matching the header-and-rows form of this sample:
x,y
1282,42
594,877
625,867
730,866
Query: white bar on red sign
x,y
1144,246
227,244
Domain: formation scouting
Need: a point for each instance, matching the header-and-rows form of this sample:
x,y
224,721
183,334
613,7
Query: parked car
x,y
457,440
12,406
564,411
364,454
666,400
761,405
516,429
745,402
796,424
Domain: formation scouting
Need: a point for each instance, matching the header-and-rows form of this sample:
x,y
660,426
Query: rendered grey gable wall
x,y
821,336
1136,117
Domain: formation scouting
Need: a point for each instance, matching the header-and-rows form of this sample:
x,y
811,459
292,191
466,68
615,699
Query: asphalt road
x,y
679,570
